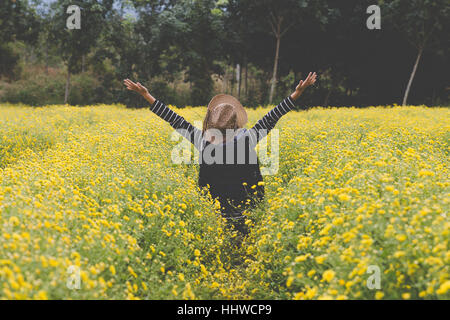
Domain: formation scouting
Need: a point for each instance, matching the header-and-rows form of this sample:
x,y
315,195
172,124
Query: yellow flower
x,y
42,295
444,287
132,272
320,259
79,186
112,269
301,258
379,295
328,275
14,221
406,296
289,281
344,197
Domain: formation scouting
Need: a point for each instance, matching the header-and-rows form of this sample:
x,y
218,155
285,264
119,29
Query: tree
x,y
76,43
419,21
277,18
18,22
199,37
238,41
45,14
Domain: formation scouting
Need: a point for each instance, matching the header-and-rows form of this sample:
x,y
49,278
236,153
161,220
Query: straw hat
x,y
226,112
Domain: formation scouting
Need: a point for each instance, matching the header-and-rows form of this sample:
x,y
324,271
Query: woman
x,y
229,167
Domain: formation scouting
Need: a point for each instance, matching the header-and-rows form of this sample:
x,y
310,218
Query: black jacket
x,y
237,185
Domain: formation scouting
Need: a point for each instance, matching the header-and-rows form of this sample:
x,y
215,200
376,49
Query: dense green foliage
x,y
187,50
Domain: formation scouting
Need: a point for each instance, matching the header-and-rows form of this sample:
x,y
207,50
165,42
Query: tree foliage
x,y
186,51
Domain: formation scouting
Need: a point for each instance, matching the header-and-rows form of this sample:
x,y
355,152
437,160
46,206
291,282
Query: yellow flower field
x,y
93,192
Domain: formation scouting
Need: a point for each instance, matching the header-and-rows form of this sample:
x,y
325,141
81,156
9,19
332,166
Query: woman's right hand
x,y
139,88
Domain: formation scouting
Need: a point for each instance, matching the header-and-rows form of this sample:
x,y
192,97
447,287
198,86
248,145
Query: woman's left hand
x,y
303,84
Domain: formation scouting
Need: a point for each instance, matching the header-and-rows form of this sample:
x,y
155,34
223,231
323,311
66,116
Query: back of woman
x,y
229,166
232,172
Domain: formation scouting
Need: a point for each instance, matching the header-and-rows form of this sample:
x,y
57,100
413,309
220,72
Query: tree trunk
x,y
325,102
46,56
238,80
246,79
411,78
275,68
232,81
83,61
66,95
224,83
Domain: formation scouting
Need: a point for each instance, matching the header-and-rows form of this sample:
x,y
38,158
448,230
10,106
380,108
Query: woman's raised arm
x,y
268,122
183,127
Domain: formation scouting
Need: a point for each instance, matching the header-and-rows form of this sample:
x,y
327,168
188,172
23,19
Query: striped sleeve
x,y
268,122
183,127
